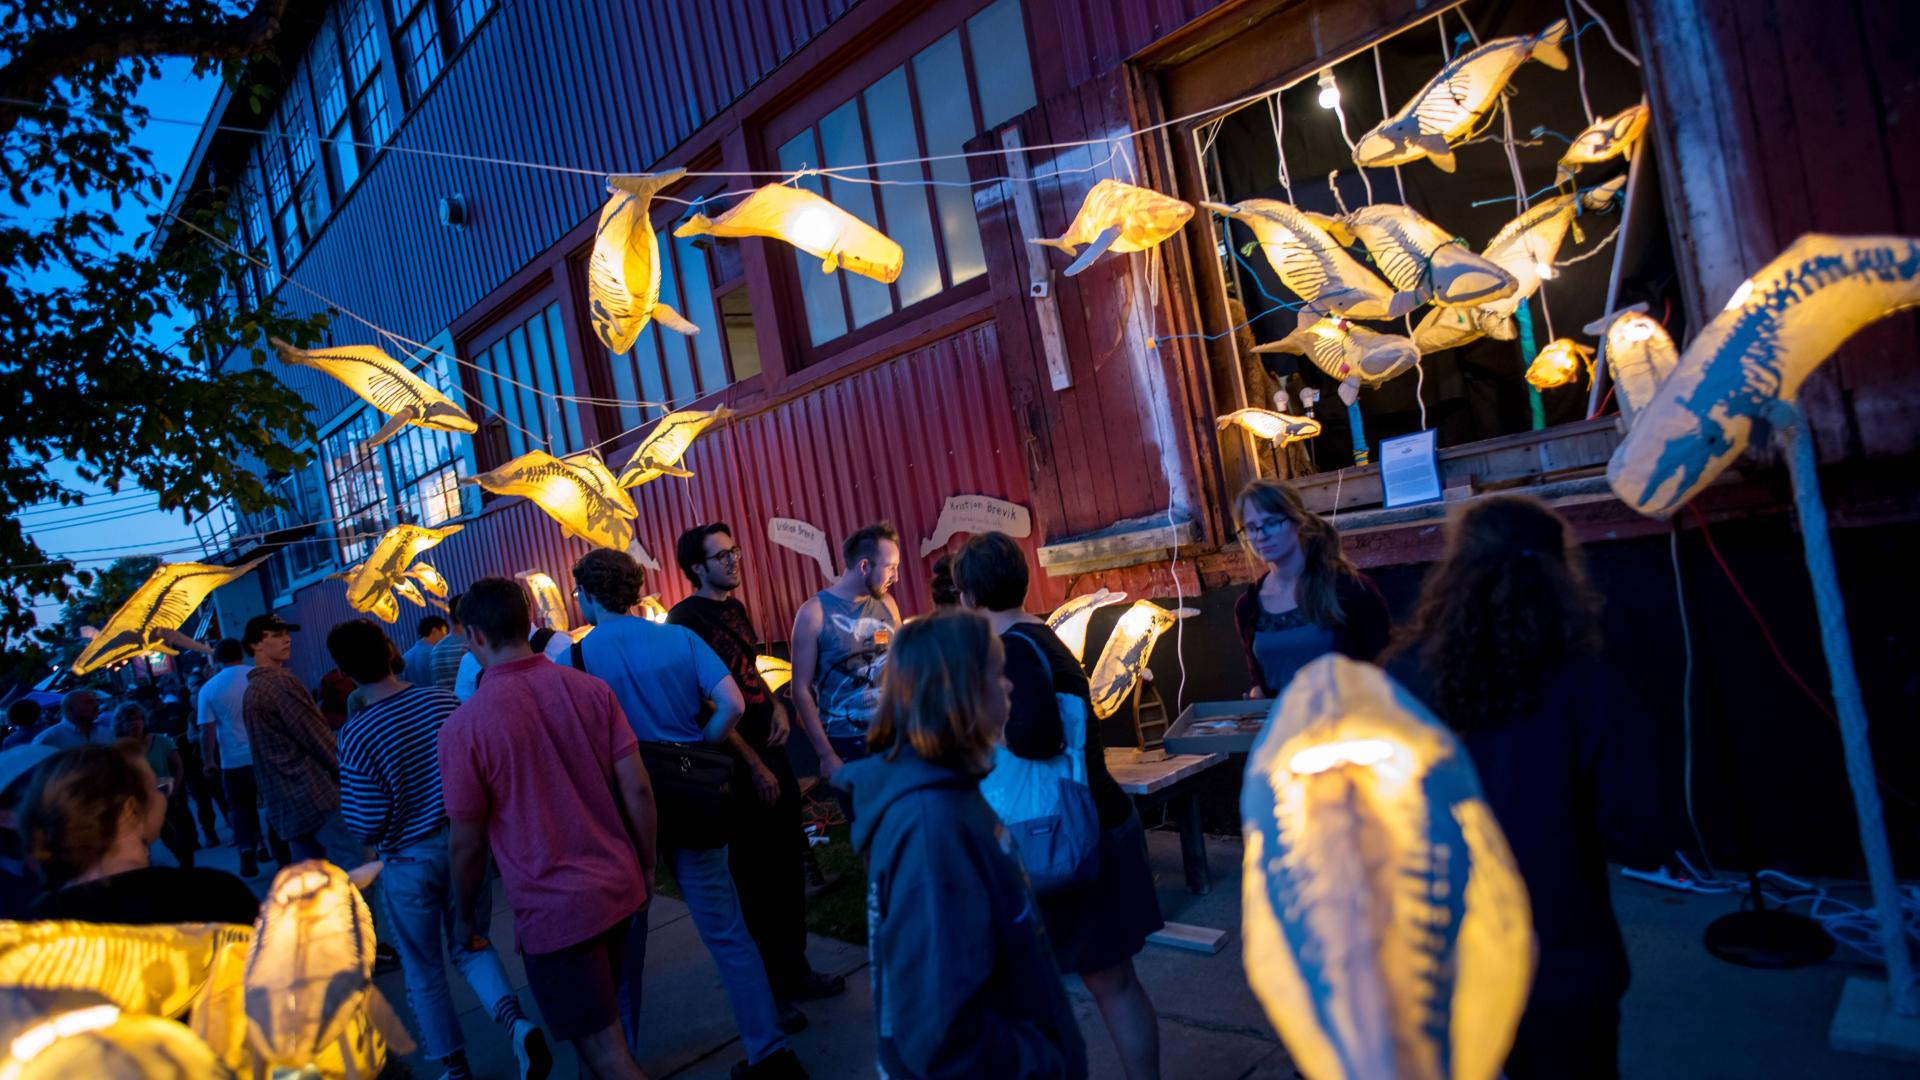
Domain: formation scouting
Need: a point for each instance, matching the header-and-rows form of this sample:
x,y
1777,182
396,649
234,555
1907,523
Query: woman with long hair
x,y
964,983
1096,928
1504,648
163,757
1310,601
90,817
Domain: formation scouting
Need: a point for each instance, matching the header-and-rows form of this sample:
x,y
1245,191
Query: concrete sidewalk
x,y
1687,1013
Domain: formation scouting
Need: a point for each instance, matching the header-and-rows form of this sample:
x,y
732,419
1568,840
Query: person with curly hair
x,y
1310,602
1504,648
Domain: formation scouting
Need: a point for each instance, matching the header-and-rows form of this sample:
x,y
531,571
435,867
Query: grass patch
x,y
840,910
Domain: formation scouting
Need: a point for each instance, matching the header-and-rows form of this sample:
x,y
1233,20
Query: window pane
x,y
296,122
467,15
743,346
329,91
646,363
356,487
1003,76
554,375
626,389
376,122
826,316
312,200
675,347
949,124
530,416
841,143
890,120
697,291
346,156
363,49
419,49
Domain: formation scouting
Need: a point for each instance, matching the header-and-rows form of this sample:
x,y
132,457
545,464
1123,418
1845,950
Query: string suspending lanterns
x,y
1372,862
623,273
151,617
384,383
812,224
1119,217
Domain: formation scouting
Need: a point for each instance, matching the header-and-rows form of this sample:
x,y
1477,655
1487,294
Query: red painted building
x,y
436,167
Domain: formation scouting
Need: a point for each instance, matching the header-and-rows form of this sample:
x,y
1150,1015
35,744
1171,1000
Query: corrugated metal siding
x,y
1096,36
591,84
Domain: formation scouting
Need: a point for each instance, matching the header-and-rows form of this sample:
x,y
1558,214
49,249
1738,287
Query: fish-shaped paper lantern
x,y
1281,428
1454,102
583,499
660,452
384,383
1559,363
1119,217
774,672
1124,658
429,578
309,975
1781,324
408,591
1315,266
1421,257
812,224
549,603
1525,247
623,274
652,610
1069,621
158,607
1640,355
102,1042
1386,928
1348,352
1605,138
372,585
158,969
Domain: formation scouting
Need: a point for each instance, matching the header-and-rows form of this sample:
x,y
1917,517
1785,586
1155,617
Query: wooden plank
x,y
1148,777
1200,939
1039,274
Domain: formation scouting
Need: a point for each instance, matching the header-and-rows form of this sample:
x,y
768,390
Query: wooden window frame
x,y
498,325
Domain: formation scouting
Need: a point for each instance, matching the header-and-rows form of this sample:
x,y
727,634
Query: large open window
x,y
1284,146
971,77
356,485
524,375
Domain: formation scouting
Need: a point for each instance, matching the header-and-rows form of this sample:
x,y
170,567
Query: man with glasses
x,y
768,848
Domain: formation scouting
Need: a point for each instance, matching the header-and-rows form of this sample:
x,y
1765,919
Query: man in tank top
x,y
840,640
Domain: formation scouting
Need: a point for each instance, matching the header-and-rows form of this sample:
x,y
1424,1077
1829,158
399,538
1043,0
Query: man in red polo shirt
x,y
541,766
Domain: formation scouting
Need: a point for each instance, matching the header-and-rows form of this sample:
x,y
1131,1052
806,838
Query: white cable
x,y
1608,30
1579,65
1686,695
1380,80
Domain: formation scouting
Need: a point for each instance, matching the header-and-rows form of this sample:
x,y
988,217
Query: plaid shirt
x,y
294,754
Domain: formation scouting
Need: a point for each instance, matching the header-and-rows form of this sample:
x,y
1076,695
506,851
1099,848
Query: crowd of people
x,y
579,766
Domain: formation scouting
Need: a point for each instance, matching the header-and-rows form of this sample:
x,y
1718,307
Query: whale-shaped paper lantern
x,y
660,452
623,273
774,672
1119,217
372,585
1640,355
549,603
1282,429
156,609
1309,261
1124,658
1457,100
1069,621
812,224
384,383
1387,929
578,492
1780,324
1420,257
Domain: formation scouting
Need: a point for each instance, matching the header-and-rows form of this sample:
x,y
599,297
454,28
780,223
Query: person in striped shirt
x,y
390,797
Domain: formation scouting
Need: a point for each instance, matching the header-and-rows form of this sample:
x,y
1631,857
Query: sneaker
x,y
792,1020
249,866
530,1049
385,959
782,1064
814,986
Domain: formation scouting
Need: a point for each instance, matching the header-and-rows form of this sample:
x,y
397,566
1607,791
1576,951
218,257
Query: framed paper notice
x,y
1409,470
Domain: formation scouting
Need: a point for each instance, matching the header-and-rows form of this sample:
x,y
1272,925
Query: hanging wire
x,y
1380,80
1608,30
1579,65
1277,118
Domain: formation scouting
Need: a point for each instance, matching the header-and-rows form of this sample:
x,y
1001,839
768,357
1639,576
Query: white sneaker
x,y
530,1049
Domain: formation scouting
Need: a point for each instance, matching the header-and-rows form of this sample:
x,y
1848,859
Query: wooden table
x,y
1174,783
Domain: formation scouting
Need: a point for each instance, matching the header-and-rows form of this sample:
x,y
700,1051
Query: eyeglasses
x,y
1266,527
732,554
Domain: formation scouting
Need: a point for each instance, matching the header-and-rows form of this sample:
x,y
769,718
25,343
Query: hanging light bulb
x,y
1545,271
1329,90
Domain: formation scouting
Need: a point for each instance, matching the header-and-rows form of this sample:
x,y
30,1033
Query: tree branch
x,y
51,54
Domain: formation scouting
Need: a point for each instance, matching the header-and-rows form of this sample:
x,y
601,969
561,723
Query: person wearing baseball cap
x,y
294,753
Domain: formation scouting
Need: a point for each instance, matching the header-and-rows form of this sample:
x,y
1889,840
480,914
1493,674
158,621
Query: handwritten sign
x,y
796,535
977,514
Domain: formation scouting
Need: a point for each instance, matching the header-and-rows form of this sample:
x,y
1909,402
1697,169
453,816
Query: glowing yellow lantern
x,y
1281,428
1420,257
105,1042
1120,217
150,617
1454,102
1781,324
1348,352
660,452
1309,261
1604,139
652,610
384,383
774,672
623,273
1386,926
1124,659
549,604
1640,355
146,969
810,223
1559,363
578,493
372,585
1070,620
429,578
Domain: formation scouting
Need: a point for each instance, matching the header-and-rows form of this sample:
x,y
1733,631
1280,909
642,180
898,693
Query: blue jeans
x,y
715,908
420,916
